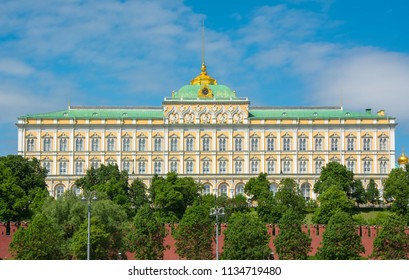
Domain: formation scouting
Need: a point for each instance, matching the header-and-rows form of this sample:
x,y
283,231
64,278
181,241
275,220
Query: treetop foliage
x,y
335,174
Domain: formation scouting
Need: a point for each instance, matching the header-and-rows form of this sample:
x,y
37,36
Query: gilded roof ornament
x,y
203,78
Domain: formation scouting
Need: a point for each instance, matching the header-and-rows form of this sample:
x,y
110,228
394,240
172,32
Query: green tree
x,y
137,195
340,241
392,243
372,193
41,240
22,188
194,234
108,180
172,195
246,238
99,242
332,200
291,243
258,188
147,235
335,174
288,197
396,189
70,214
358,193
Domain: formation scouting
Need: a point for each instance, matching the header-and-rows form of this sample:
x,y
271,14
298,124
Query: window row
x,y
221,168
189,145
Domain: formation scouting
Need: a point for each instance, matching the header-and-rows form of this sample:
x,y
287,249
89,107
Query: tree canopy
x,y
22,188
335,174
291,243
246,238
396,189
194,234
41,240
392,243
372,193
340,241
146,235
172,195
332,200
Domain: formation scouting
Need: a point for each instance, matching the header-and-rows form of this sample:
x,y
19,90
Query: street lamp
x,y
90,196
217,212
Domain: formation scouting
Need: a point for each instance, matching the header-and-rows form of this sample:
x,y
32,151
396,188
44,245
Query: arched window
x,y
206,189
223,189
273,188
305,190
240,189
59,191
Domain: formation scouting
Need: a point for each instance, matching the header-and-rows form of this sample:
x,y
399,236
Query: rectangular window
x,y
238,166
63,167
189,144
222,166
157,167
350,144
173,144
302,166
222,144
206,144
111,144
206,167
383,146
158,144
79,144
318,166
270,166
383,168
47,145
126,144
334,144
367,167
367,144
142,144
254,144
238,144
318,144
189,167
286,144
351,165
47,166
302,144
270,144
95,144
30,144
78,167
63,144
254,166
126,166
174,166
142,167
286,166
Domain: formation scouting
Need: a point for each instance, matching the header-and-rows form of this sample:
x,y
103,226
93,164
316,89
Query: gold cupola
x,y
403,160
203,78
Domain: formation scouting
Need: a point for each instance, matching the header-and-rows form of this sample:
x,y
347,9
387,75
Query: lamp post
x,y
90,196
217,212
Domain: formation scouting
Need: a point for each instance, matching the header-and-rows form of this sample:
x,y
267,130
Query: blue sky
x,y
294,52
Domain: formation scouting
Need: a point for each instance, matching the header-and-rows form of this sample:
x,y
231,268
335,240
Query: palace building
x,y
206,131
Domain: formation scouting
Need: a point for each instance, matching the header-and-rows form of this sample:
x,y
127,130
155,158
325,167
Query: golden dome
x,y
203,78
403,159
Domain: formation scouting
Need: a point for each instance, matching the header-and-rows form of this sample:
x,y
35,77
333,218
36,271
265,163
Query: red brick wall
x,y
368,234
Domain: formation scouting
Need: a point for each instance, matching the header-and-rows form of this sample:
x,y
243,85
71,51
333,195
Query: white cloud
x,y
14,67
366,78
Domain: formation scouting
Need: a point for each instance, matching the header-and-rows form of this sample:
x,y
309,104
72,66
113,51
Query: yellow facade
x,y
215,137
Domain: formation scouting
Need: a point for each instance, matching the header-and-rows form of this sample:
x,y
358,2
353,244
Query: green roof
x,y
191,92
100,112
308,113
103,113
